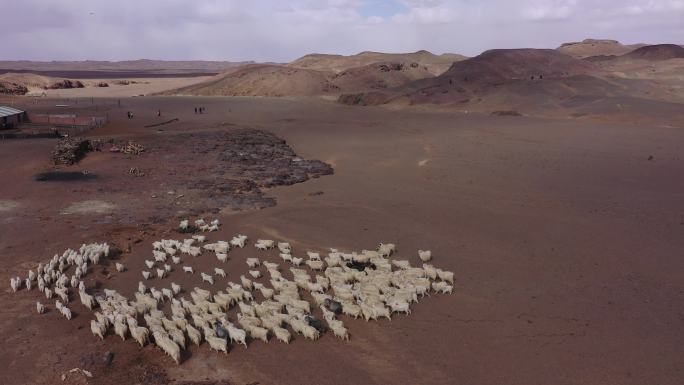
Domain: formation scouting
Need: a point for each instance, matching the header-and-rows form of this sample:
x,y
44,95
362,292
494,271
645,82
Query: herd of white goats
x,y
367,284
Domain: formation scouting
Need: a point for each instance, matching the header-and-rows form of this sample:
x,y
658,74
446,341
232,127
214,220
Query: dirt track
x,y
563,235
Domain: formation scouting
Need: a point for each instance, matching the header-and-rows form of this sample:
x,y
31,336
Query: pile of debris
x,y
130,148
136,172
70,150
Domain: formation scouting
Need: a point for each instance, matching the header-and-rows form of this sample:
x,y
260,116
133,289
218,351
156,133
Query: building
x,y
11,117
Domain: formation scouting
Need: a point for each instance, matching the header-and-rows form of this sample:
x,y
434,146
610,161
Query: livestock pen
x,y
42,125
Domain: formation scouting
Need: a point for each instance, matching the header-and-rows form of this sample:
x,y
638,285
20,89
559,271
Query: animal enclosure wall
x,y
11,121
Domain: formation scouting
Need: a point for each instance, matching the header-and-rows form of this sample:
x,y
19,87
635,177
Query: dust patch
x,y
7,205
89,207
271,232
332,161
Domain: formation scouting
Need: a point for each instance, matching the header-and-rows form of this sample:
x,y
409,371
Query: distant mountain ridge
x,y
126,65
436,64
596,47
323,74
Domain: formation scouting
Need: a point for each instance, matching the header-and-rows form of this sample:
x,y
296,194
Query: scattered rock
x,y
108,358
78,371
10,88
65,84
391,67
135,172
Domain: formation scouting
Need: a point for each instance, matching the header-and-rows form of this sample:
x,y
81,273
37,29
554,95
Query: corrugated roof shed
x,y
8,111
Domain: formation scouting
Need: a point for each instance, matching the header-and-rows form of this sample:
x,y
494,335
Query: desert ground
x,y
124,87
564,235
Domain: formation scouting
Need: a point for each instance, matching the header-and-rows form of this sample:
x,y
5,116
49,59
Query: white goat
x,y
207,278
222,257
239,240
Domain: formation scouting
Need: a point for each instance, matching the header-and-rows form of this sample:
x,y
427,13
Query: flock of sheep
x,y
368,284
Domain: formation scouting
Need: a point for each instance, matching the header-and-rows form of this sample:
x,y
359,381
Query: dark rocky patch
x,y
64,176
506,113
65,84
239,164
227,169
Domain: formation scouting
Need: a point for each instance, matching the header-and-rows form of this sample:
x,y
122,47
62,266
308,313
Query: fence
x,y
52,125
69,120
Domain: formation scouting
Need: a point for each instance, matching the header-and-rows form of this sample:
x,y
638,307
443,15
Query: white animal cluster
x,y
368,284
52,279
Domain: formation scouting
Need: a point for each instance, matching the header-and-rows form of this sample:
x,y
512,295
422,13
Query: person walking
x,y
195,110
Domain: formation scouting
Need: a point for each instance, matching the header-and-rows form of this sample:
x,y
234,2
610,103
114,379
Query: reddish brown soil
x,y
564,236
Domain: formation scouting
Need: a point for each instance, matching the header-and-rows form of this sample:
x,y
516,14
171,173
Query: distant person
x,y
195,110
158,112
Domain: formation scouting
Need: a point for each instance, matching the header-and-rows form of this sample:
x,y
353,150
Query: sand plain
x,y
564,235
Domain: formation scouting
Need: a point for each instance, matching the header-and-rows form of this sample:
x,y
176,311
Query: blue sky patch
x,y
381,8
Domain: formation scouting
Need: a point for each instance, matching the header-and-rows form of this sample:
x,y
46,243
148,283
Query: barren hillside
x,y
261,80
435,64
596,47
527,81
657,52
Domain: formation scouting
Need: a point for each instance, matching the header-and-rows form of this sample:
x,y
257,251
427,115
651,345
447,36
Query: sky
x,y
282,30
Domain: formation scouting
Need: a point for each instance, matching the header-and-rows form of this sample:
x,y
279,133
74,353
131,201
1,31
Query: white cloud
x,y
549,10
274,30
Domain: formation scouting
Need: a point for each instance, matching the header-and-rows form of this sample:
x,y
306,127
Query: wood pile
x,y
70,150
